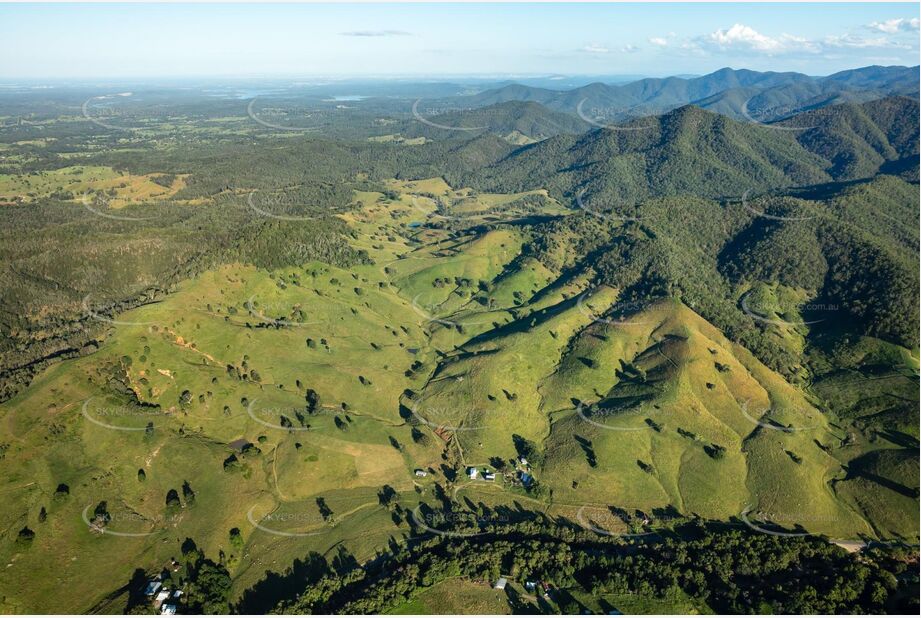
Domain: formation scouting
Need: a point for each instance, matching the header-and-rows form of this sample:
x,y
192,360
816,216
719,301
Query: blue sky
x,y
147,41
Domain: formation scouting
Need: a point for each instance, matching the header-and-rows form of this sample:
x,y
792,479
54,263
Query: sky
x,y
147,41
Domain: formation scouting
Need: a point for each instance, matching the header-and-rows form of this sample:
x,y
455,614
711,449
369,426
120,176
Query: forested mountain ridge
x,y
902,80
695,152
857,140
768,95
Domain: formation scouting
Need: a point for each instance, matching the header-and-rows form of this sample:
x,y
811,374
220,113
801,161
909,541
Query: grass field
x,y
82,182
431,357
456,596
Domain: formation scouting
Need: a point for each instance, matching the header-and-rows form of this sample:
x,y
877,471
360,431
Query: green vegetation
x,y
294,348
720,571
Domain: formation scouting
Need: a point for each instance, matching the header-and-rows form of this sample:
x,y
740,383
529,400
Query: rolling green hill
x,y
467,337
270,378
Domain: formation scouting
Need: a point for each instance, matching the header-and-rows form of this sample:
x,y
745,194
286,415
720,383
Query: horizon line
x,y
423,76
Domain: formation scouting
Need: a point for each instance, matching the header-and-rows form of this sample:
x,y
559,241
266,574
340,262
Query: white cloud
x,y
891,26
740,36
660,41
793,43
595,48
629,49
854,41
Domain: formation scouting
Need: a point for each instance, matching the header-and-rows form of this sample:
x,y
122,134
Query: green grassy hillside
x,y
458,341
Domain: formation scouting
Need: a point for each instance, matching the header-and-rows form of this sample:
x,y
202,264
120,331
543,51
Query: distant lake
x,y
240,94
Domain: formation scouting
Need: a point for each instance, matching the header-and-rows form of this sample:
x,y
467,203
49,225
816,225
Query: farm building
x,y
161,596
500,585
152,587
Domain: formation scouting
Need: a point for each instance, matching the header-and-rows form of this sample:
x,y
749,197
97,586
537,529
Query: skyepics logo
x,y
278,206
443,418
605,521
598,116
766,519
437,209
617,314
116,522
427,311
607,211
283,418
105,111
111,307
454,523
438,111
765,418
605,417
128,111
778,117
750,206
102,206
760,312
288,315
292,523
122,418
283,117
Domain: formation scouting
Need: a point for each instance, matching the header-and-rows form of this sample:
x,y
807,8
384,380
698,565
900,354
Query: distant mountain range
x,y
754,95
